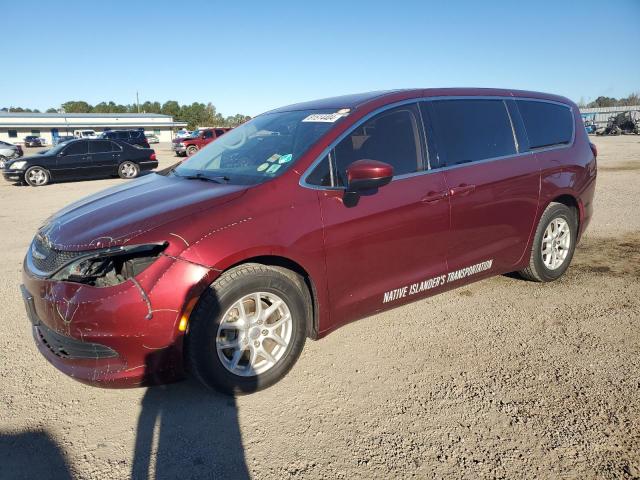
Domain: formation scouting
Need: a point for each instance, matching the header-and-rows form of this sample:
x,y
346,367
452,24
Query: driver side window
x,y
392,136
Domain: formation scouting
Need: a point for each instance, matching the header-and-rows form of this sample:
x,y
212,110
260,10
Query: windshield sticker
x,y
286,158
325,117
263,167
273,168
273,157
434,282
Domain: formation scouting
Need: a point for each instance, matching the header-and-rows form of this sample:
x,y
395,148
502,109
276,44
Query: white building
x,y
15,126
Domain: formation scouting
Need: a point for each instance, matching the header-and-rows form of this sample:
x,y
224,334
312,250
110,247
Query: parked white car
x,y
85,134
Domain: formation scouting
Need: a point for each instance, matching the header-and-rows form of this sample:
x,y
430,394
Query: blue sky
x,y
250,56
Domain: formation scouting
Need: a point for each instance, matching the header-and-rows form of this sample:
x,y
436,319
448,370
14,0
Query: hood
x,y
117,215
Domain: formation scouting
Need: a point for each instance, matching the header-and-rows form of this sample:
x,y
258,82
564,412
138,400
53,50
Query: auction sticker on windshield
x,y
324,117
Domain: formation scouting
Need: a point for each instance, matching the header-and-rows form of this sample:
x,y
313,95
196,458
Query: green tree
x,y
603,102
77,106
170,107
237,119
52,110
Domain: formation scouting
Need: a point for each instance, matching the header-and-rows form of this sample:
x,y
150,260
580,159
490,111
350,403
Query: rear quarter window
x,y
547,124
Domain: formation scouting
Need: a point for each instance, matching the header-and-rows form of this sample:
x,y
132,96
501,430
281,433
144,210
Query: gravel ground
x,y
503,378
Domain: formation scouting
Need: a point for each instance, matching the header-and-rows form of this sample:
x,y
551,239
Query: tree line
x,y
195,115
630,101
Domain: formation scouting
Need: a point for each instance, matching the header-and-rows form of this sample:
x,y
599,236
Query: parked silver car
x,y
8,151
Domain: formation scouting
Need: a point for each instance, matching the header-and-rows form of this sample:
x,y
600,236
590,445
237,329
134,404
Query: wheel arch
x,y
291,265
572,202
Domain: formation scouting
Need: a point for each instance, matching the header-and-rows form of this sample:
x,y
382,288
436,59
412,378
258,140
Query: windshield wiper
x,y
202,176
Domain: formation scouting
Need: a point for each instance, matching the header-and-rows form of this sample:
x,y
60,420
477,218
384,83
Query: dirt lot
x,y
501,379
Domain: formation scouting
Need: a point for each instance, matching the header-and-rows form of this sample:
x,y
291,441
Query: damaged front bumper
x,y
115,336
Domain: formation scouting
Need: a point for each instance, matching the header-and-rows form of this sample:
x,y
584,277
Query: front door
x,y
493,187
390,247
74,161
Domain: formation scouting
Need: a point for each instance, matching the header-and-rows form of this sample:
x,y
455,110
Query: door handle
x,y
462,189
434,196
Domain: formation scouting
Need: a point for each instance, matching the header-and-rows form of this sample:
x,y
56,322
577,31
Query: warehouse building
x,y
15,126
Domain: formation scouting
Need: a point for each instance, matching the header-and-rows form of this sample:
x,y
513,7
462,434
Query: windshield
x,y
262,148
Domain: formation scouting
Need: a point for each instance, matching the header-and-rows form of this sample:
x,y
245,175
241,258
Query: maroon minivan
x,y
301,220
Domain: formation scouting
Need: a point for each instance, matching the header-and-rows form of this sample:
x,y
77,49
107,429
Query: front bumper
x,y
120,336
13,175
176,147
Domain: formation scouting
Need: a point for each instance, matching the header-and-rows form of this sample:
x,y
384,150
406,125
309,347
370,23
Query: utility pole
x,y
138,101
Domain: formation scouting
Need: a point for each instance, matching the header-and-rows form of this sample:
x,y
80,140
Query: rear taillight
x,y
594,149
152,156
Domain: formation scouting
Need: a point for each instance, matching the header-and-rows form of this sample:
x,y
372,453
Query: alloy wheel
x,y
37,176
254,334
128,170
556,243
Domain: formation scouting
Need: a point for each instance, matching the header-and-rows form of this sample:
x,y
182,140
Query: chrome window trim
x,y
303,178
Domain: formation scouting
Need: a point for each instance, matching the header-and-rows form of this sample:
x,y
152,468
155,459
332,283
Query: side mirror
x,y
62,154
365,175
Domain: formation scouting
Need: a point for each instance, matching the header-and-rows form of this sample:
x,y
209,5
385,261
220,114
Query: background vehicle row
x,y
81,159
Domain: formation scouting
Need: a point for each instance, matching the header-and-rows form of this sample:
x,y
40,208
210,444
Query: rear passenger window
x,y
471,130
100,146
546,123
115,147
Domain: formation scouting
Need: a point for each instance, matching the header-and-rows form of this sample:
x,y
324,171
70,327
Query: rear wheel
x,y
248,328
37,176
128,170
553,245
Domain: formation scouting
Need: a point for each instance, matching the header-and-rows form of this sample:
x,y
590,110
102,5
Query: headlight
x,y
181,144
110,266
17,165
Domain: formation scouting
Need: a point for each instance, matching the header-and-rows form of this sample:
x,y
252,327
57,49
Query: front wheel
x,y
248,328
128,170
192,150
553,244
37,176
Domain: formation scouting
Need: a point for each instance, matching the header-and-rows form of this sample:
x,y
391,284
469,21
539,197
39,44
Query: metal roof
x,y
91,124
82,115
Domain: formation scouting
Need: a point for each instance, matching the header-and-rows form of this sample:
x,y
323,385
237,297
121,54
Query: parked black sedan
x,y
81,159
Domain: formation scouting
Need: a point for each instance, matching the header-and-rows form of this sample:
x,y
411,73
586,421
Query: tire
x,y
556,219
37,176
191,150
128,170
212,326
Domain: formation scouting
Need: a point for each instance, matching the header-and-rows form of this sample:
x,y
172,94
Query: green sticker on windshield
x,y
273,157
263,167
286,158
273,168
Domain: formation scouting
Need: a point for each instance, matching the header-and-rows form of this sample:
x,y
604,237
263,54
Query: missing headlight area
x,y
109,267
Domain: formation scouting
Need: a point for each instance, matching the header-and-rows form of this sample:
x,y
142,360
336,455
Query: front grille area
x,y
70,348
53,259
